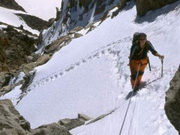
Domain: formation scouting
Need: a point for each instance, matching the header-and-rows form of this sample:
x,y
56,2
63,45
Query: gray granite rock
x,y
172,106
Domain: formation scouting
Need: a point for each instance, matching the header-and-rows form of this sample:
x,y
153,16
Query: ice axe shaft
x,y
149,64
162,67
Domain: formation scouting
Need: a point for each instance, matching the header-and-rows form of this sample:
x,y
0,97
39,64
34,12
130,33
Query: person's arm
x,y
154,52
159,55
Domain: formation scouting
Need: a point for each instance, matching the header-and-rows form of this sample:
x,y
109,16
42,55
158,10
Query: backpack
x,y
135,38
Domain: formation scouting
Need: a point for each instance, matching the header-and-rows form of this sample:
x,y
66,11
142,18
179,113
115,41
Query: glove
x,y
161,57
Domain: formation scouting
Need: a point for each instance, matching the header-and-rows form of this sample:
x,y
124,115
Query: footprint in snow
x,y
96,55
78,63
103,52
84,61
90,57
69,69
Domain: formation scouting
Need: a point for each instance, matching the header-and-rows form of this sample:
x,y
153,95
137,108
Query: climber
x,y
138,58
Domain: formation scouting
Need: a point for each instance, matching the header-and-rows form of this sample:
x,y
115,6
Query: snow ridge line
x,y
104,50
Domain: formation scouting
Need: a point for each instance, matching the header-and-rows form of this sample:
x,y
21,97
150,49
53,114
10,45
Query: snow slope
x,y
8,16
43,9
40,8
91,76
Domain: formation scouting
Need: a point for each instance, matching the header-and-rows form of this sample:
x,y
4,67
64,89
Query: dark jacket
x,y
137,53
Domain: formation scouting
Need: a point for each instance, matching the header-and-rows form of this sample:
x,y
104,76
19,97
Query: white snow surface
x,y
8,16
43,9
91,76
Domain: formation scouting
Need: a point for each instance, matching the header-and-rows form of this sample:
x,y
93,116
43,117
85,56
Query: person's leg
x,y
141,72
134,65
144,63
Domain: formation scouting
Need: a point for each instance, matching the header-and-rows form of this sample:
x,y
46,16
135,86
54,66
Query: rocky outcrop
x,y
12,123
5,77
34,22
143,6
172,106
15,46
51,129
77,13
71,123
10,4
43,59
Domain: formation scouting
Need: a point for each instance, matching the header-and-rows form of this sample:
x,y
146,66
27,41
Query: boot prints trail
x,y
103,51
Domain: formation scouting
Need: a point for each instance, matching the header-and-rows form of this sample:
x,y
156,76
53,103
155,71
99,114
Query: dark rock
x,y
42,60
27,81
77,35
58,13
14,48
4,79
143,6
57,44
33,21
100,117
10,4
50,22
25,125
172,106
26,68
51,129
11,122
71,123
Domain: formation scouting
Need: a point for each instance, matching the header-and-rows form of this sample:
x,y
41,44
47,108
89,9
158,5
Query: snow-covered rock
x,y
77,13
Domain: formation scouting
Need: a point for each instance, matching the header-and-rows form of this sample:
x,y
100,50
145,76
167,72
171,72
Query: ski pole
x,y
161,68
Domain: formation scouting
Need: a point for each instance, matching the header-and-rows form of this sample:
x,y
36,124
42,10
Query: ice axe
x,y
162,67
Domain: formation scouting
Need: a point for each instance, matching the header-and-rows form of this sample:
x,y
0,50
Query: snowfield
x,y
8,16
91,76
39,8
43,9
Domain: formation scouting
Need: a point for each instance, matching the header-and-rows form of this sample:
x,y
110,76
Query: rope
x,y
130,100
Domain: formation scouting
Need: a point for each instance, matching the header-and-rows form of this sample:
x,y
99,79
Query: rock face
x,y
52,129
71,123
172,106
15,47
34,22
11,122
76,13
143,6
10,4
4,79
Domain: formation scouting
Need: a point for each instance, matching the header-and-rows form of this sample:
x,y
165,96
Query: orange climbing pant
x,y
134,65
